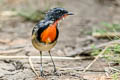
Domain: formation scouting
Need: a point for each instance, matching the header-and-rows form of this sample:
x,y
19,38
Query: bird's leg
x,y
41,68
53,62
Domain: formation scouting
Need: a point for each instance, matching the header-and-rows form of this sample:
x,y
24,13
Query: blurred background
x,y
94,23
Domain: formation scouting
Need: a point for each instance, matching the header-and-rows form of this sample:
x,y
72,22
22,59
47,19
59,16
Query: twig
x,y
96,58
87,50
114,69
72,68
10,51
5,41
8,13
32,67
106,35
37,57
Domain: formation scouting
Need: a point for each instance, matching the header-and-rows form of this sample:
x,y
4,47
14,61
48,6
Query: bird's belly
x,y
42,46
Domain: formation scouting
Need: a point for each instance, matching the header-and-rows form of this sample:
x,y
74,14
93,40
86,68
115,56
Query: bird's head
x,y
57,14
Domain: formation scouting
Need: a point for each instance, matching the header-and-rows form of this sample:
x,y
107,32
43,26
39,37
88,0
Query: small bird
x,y
45,33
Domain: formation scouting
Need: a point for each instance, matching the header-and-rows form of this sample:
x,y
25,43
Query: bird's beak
x,y
70,13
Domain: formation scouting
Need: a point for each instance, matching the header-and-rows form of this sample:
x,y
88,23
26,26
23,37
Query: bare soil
x,y
15,33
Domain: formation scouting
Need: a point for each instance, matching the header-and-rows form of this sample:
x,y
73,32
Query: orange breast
x,y
49,34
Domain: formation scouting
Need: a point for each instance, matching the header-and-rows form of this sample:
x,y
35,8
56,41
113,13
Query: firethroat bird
x,y
45,33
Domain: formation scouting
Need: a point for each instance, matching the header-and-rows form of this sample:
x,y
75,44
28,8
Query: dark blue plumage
x,y
55,14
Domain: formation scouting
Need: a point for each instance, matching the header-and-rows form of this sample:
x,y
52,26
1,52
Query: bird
x,y
45,33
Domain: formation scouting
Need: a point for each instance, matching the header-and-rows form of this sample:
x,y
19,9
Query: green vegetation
x,y
33,16
95,51
112,53
1,1
108,28
115,76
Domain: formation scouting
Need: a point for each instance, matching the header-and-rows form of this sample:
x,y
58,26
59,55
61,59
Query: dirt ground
x,y
15,37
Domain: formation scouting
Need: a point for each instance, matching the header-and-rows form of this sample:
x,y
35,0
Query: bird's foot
x,y
56,73
42,74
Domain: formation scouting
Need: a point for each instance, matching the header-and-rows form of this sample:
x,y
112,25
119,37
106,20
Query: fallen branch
x,y
32,67
8,13
106,35
96,58
5,41
38,57
88,50
8,52
117,70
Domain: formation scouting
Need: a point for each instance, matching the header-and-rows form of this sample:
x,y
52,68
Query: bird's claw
x,y
56,73
42,74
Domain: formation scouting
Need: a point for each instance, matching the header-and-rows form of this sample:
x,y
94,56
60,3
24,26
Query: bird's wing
x,y
40,27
